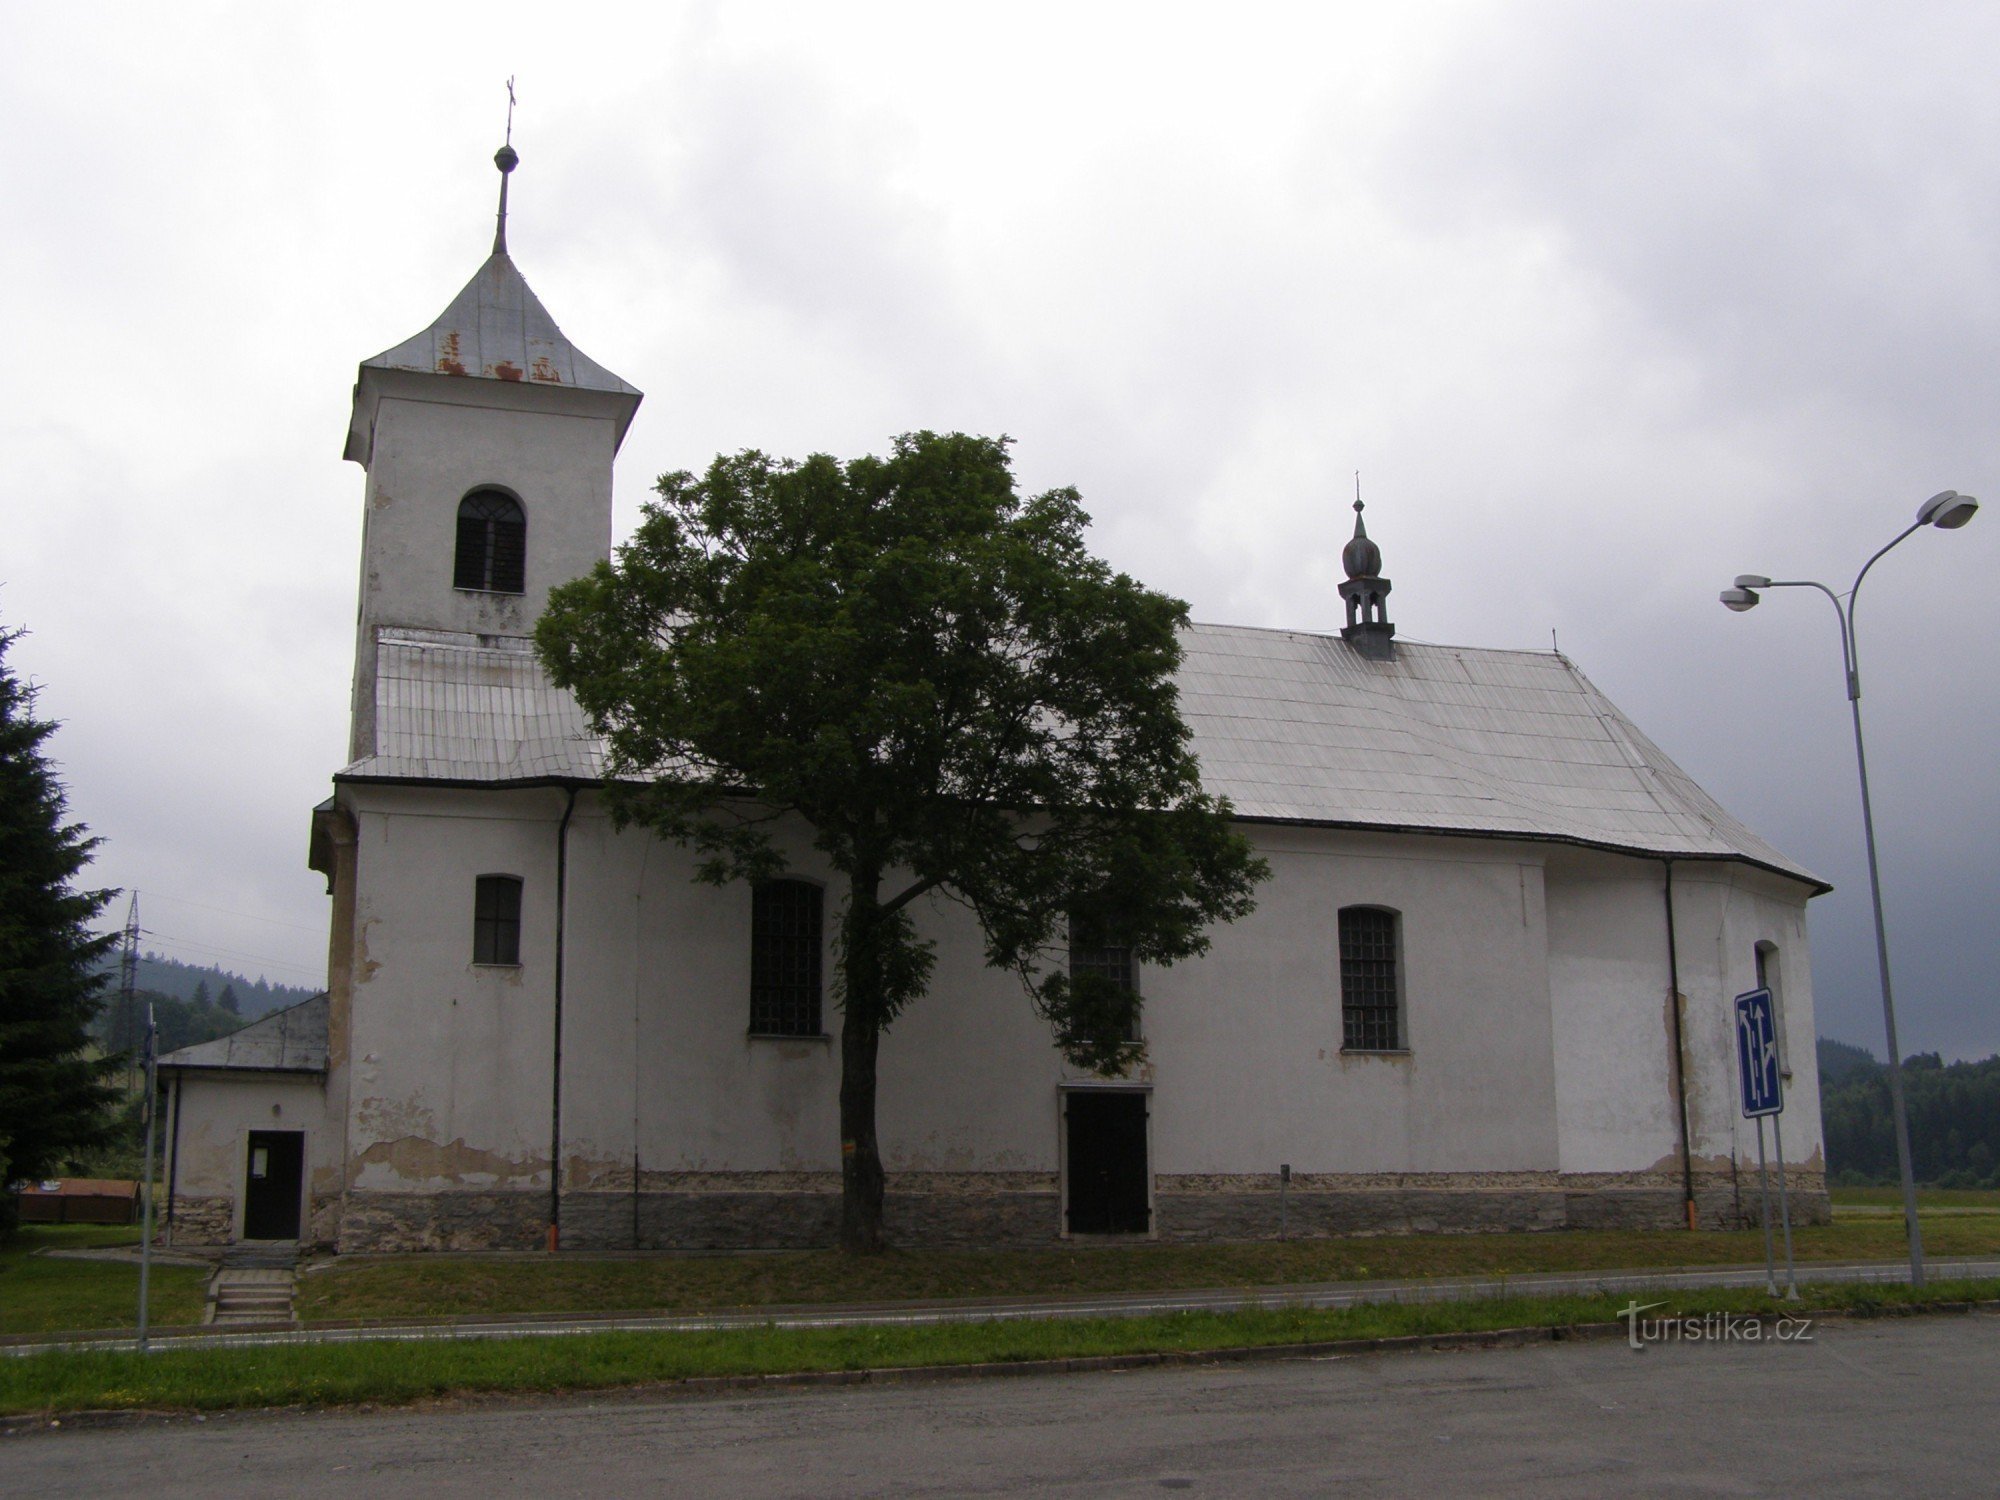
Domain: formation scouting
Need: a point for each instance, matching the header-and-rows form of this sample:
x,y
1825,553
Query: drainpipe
x,y
173,1154
1680,1048
555,1064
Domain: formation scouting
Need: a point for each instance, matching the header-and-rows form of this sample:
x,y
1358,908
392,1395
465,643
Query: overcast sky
x,y
1608,303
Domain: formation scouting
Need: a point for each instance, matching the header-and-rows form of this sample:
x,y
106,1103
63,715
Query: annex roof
x,y
292,1040
1291,726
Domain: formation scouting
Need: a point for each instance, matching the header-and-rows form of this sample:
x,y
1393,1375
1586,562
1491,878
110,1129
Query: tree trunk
x,y
860,1040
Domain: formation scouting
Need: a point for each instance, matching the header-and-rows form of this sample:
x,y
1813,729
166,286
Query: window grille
x,y
785,942
1092,951
492,544
496,920
1370,1008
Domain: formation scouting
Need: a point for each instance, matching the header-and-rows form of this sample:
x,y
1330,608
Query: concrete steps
x,y
251,1296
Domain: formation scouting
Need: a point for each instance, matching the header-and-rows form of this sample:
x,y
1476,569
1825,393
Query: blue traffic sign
x,y
1757,1055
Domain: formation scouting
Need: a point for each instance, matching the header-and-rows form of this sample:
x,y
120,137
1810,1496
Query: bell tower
x,y
488,441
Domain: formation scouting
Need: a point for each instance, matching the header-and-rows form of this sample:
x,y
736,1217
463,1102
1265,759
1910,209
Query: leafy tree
x,y
53,1098
937,677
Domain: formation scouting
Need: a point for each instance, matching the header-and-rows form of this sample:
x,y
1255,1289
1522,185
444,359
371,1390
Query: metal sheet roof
x,y
496,328
1289,725
292,1040
453,707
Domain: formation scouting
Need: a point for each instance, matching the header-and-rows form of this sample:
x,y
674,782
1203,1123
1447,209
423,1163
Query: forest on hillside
x,y
1954,1111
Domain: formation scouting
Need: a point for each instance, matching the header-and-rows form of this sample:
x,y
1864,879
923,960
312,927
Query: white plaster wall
x,y
1608,973
1617,1110
449,1061
213,1114
1723,912
1247,1041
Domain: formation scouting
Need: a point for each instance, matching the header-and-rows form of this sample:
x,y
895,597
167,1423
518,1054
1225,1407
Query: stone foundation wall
x,y
203,1221
801,1211
378,1221
1653,1200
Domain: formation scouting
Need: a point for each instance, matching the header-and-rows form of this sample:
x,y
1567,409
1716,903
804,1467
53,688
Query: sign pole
x,y
1764,1187
1785,1208
146,1179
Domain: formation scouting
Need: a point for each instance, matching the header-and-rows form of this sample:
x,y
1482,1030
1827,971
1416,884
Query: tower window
x,y
1370,1001
492,544
496,920
785,942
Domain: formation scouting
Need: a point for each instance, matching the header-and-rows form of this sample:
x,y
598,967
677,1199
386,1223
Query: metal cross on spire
x,y
506,159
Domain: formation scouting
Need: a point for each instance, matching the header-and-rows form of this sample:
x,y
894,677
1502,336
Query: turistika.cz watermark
x,y
1711,1328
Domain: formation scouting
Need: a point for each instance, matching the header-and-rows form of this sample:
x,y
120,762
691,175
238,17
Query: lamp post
x,y
1948,511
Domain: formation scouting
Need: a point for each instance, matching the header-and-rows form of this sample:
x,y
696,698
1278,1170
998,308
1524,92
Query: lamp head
x,y
1947,511
1752,581
1739,599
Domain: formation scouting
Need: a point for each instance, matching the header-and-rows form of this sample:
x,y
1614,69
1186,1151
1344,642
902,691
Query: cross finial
x,y
506,159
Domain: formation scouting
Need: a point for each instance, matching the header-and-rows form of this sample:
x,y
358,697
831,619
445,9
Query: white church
x,y
1487,985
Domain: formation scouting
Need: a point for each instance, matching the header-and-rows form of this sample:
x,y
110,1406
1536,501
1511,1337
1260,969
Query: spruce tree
x,y
54,1097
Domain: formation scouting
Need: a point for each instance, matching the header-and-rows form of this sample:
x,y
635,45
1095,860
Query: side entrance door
x,y
1106,1169
272,1178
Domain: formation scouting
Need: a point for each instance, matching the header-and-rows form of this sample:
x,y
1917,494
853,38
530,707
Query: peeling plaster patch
x,y
384,1119
415,1159
365,968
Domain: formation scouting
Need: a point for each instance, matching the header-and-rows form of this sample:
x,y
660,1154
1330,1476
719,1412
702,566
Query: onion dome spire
x,y
1365,589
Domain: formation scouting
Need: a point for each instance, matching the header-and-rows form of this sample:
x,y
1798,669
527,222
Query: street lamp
x,y
1947,511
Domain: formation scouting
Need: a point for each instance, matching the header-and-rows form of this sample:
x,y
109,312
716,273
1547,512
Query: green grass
x,y
42,1295
446,1286
1892,1197
212,1379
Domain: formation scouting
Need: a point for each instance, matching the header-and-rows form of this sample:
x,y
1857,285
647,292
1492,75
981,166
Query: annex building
x,y
1487,985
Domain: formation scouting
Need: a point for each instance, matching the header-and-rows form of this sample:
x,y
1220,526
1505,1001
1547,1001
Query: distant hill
x,y
196,982
1840,1061
1954,1115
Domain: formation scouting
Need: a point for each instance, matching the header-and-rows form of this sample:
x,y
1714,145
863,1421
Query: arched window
x,y
1771,976
785,940
1371,1010
492,544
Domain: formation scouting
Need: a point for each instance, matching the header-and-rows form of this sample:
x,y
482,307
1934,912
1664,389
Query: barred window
x,y
496,920
1095,951
492,544
1370,1005
785,942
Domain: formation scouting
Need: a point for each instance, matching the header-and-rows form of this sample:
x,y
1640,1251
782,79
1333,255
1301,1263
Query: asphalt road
x,y
1891,1406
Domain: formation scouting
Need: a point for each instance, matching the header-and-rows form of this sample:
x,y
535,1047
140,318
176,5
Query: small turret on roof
x,y
495,329
1366,591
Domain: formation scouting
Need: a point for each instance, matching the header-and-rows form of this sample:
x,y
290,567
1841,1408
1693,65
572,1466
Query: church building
x,y
1487,985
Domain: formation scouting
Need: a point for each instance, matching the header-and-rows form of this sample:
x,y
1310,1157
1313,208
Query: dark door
x,y
1109,1184
271,1182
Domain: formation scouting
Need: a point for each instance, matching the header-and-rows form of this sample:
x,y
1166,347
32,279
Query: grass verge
x,y
342,1374
1892,1197
41,1295
450,1286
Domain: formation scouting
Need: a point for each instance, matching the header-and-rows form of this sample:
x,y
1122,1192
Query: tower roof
x,y
497,329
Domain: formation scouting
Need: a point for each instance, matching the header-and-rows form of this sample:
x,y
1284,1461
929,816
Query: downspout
x,y
555,1064
1680,1048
